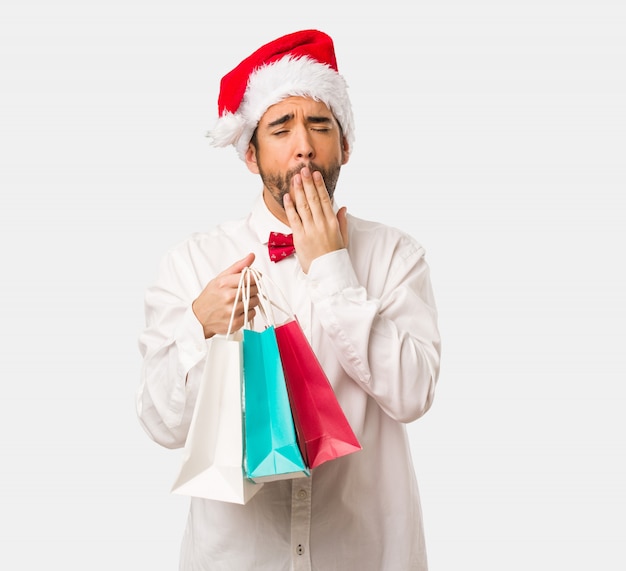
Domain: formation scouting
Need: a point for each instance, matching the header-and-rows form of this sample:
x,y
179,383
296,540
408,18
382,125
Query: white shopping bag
x,y
213,453
212,465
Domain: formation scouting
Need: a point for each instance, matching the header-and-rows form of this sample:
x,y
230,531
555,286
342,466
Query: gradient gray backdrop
x,y
494,132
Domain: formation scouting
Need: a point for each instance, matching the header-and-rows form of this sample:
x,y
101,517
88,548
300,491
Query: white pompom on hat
x,y
298,64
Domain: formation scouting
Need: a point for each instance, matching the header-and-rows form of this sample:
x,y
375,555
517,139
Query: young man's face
x,y
296,132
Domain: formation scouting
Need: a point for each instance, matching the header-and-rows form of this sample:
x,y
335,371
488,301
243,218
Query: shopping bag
x,y
322,428
212,464
324,432
271,445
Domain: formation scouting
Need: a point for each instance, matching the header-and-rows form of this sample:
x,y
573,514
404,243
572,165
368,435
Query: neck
x,y
273,206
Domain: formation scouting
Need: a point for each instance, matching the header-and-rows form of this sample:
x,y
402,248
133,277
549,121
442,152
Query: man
x,y
362,293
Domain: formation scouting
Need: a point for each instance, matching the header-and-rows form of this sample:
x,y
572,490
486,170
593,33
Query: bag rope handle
x,y
261,278
238,295
265,302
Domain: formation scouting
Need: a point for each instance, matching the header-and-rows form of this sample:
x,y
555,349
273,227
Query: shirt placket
x,y
301,524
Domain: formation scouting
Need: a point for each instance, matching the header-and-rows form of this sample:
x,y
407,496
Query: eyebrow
x,y
316,119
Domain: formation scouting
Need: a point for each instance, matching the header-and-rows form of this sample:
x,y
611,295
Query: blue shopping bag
x,y
271,450
271,445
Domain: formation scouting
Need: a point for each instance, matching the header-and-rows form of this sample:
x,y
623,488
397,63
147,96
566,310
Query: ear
x,y
345,151
251,161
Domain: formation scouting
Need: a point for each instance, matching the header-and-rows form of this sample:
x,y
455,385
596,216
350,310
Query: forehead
x,y
295,105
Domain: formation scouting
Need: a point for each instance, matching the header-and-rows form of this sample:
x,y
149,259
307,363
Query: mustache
x,y
296,170
280,184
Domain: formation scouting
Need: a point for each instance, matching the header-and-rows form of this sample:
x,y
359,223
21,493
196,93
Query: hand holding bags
x,y
271,446
286,421
213,452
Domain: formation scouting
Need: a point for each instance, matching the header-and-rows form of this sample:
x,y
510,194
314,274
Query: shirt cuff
x,y
331,274
190,342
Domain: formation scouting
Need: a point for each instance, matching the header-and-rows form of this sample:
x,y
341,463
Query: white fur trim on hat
x,y
274,82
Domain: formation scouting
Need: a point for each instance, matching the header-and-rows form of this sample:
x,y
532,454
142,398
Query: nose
x,y
303,145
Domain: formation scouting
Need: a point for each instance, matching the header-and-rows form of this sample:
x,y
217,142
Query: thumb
x,y
342,218
239,265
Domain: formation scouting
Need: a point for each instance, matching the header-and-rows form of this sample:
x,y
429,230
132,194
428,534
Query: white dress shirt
x,y
370,315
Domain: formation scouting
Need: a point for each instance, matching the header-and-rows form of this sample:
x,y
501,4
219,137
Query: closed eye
x,y
319,123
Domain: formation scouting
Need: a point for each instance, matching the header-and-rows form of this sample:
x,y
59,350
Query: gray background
x,y
494,132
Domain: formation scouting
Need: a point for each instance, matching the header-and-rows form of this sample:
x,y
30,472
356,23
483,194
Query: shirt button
x,y
302,495
300,549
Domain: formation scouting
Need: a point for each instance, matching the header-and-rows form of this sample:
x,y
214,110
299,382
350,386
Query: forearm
x,y
387,341
173,350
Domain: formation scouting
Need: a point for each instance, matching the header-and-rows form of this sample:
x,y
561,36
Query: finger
x,y
239,265
295,223
312,193
322,193
241,319
254,290
299,198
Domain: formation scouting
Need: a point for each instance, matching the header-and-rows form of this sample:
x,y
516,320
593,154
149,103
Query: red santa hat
x,y
298,64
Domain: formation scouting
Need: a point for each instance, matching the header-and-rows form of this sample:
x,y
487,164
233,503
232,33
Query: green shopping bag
x,y
271,450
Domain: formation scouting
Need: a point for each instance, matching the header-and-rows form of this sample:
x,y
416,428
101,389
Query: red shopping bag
x,y
321,425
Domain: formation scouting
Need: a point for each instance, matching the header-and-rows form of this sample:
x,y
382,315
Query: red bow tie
x,y
280,246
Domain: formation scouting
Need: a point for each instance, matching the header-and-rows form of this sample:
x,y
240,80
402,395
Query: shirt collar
x,y
262,221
